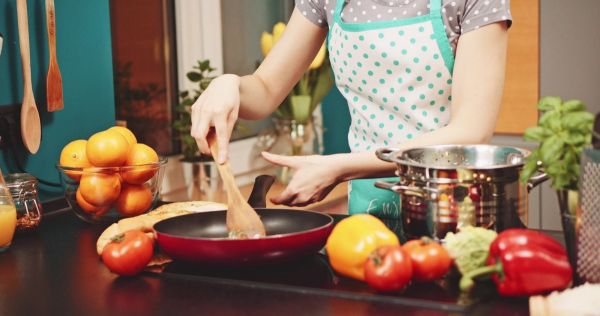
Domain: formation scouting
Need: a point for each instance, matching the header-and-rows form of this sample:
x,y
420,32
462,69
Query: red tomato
x,y
388,268
430,261
128,253
475,192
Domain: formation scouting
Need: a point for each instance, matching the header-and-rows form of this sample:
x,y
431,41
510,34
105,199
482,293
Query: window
x,y
156,42
145,69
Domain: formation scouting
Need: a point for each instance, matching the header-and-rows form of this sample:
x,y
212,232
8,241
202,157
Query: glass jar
x,y
294,138
23,188
7,216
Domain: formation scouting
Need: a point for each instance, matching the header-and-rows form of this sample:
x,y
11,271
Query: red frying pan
x,y
202,238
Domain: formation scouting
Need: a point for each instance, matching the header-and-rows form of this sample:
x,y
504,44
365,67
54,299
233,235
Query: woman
x,y
414,73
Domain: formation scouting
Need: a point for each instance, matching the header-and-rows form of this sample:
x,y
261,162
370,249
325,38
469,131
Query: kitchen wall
x,y
85,59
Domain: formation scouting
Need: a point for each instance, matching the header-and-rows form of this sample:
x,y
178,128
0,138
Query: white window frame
x,y
199,36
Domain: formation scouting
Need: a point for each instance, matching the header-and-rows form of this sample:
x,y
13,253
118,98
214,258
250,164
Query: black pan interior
x,y
212,224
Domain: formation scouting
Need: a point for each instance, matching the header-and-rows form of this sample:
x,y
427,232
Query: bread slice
x,y
145,222
580,300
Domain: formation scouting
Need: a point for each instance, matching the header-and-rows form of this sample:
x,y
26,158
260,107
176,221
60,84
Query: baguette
x,y
578,301
145,222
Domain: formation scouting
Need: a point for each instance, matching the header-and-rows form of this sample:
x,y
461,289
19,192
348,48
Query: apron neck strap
x,y
338,10
435,8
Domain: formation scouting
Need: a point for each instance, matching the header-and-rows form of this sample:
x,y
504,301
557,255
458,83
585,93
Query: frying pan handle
x,y
258,196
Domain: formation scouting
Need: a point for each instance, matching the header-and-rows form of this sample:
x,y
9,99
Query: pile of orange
x,y
121,181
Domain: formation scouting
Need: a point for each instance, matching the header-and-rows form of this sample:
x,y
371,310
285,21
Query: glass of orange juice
x,y
8,216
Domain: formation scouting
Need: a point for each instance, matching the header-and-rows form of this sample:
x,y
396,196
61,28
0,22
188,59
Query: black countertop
x,y
56,271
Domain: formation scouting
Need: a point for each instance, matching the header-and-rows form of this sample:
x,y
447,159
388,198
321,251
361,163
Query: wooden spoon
x,y
31,131
54,90
242,220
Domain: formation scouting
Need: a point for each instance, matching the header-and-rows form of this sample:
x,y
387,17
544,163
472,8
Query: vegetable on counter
x,y
469,247
352,241
524,262
430,261
388,268
128,253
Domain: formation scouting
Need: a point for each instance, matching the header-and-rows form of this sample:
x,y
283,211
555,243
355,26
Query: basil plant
x,y
564,129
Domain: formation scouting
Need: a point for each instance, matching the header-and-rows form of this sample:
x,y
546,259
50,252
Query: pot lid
x,y
457,156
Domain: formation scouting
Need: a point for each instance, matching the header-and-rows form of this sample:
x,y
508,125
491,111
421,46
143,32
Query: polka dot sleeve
x,y
478,13
313,10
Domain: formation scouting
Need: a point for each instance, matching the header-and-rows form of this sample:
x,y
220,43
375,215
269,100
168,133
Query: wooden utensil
x,y
54,93
31,131
242,220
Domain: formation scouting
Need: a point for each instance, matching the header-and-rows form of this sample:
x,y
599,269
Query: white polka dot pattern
x,y
395,81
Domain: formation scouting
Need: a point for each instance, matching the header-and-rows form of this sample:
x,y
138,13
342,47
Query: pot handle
x,y
385,153
258,196
405,189
536,180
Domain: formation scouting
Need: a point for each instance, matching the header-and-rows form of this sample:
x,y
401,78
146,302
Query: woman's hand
x,y
217,106
314,177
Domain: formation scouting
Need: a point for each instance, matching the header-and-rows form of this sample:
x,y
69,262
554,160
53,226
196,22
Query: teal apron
x,y
397,79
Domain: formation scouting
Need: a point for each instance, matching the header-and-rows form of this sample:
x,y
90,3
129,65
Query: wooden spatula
x,y
242,220
54,93
31,130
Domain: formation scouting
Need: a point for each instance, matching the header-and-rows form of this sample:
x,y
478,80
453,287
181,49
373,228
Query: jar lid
x,y
19,179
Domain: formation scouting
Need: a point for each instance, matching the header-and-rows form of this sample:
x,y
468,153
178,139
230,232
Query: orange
x,y
134,200
100,189
107,149
139,154
89,208
74,155
127,133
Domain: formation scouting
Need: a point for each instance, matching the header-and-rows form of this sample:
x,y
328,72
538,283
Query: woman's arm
x,y
256,96
478,82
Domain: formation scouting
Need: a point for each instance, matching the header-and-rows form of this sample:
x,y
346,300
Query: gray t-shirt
x,y
460,16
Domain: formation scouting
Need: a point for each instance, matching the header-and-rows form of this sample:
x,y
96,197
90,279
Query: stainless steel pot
x,y
445,187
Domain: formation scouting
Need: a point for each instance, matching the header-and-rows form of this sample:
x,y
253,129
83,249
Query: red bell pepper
x,y
524,262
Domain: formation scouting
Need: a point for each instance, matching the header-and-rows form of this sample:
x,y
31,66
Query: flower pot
x,y
567,202
202,180
293,138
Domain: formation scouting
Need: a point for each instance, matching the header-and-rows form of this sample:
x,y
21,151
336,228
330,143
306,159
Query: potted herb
x,y
199,171
564,129
201,76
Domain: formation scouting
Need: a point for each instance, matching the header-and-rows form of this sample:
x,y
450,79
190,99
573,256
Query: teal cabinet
x,y
85,59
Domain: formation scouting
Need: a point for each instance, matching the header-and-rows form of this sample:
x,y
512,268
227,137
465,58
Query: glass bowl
x,y
107,194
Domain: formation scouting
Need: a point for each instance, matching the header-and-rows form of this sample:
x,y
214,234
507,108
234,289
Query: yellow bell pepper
x,y
353,239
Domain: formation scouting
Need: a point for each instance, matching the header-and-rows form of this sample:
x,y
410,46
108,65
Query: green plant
x,y
200,75
564,129
129,98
